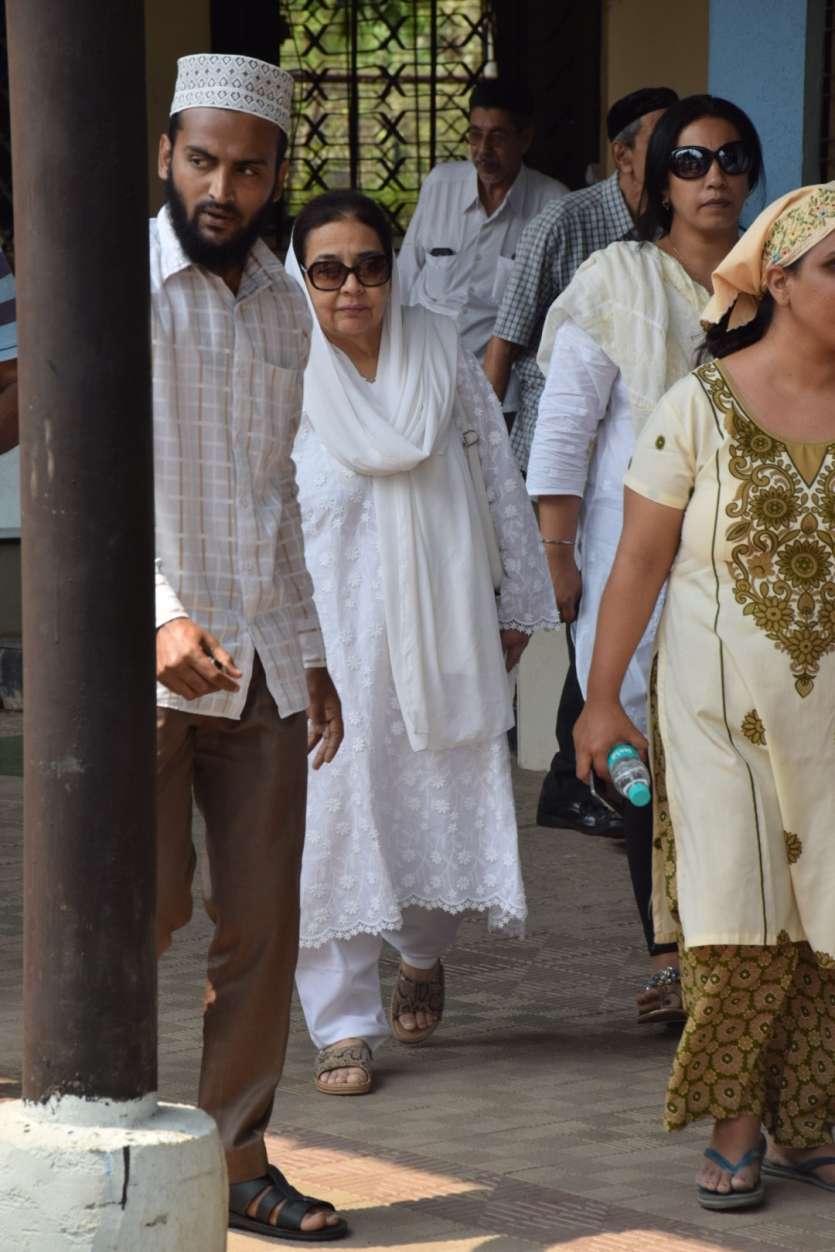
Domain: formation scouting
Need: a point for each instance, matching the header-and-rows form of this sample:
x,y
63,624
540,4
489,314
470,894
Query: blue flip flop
x,y
742,1199
804,1171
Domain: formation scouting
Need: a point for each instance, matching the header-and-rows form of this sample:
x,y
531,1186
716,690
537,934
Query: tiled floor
x,y
530,1121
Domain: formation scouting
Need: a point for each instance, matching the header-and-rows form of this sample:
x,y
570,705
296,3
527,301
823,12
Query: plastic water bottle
x,y
629,774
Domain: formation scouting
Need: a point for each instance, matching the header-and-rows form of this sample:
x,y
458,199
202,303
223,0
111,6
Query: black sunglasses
x,y
371,271
693,161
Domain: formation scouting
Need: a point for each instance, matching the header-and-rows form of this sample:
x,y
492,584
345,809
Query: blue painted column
x,y
767,57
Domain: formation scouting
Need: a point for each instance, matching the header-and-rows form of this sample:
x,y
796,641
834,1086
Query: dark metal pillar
x,y
80,199
433,83
251,28
354,95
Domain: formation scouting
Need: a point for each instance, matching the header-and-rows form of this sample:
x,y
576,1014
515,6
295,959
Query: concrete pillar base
x,y
97,1176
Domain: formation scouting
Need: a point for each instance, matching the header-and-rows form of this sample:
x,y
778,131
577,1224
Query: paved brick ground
x,y
530,1121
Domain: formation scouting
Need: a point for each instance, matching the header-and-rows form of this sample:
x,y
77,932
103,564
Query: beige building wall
x,y
173,28
653,43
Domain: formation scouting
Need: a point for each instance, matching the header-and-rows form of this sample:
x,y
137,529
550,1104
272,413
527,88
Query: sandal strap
x,y
754,1154
664,1000
411,994
815,1162
241,1194
352,1056
291,1214
280,1182
267,1204
669,976
276,1191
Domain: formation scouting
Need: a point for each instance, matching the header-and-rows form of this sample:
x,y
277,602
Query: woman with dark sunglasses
x,y
418,822
623,331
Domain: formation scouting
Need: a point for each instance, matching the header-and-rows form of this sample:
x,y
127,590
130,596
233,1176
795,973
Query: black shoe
x,y
583,812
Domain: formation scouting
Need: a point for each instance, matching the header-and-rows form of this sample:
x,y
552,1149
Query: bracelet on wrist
x,y
568,542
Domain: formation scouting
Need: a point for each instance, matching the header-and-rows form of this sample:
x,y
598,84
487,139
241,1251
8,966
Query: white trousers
x,y
339,983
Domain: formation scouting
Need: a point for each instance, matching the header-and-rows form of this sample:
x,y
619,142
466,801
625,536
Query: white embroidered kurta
x,y
625,328
582,444
387,826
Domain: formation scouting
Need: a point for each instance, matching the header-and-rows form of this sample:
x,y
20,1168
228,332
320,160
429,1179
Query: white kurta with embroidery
x,y
622,332
389,827
584,438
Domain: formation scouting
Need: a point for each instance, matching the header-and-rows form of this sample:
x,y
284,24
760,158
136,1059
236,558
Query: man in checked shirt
x,y
239,650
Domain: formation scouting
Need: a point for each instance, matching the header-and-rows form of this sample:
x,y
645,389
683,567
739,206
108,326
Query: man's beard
x,y
216,257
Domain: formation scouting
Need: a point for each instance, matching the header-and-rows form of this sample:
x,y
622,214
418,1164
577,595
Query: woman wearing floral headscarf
x,y
731,493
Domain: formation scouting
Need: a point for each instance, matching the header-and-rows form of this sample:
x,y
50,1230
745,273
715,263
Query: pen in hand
x,y
191,662
227,668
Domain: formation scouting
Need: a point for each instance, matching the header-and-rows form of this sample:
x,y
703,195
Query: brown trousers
x,y
249,779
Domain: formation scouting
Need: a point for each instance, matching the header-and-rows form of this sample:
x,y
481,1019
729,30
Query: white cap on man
x,y
214,80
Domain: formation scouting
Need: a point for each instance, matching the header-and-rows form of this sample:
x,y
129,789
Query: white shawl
x,y
642,308
440,610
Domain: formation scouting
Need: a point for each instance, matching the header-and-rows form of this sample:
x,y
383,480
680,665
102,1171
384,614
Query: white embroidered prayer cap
x,y
213,80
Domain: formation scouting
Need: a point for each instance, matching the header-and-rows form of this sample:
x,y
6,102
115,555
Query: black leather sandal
x,y
294,1208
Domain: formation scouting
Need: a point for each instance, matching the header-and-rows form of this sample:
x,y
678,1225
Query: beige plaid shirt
x,y
227,382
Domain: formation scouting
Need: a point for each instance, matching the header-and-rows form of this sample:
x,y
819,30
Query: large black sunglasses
x,y
371,271
693,161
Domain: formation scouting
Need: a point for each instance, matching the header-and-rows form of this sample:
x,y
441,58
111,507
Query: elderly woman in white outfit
x,y
624,330
417,824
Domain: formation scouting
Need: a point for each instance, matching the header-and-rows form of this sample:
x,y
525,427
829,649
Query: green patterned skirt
x,y
760,1039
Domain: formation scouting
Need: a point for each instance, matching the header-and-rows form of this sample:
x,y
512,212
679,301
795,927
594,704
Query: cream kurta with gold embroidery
x,y
745,675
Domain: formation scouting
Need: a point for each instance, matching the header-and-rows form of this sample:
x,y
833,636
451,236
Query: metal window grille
x,y
382,89
827,148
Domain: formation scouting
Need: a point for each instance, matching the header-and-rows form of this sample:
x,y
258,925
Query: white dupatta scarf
x,y
642,308
440,610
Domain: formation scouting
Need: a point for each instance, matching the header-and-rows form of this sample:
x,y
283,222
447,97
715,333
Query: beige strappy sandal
x,y
412,994
354,1055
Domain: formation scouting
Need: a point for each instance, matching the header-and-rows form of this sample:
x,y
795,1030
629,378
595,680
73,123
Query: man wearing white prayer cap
x,y
239,650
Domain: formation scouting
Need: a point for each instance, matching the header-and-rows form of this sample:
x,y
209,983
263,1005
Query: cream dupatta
x,y
642,308
440,612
